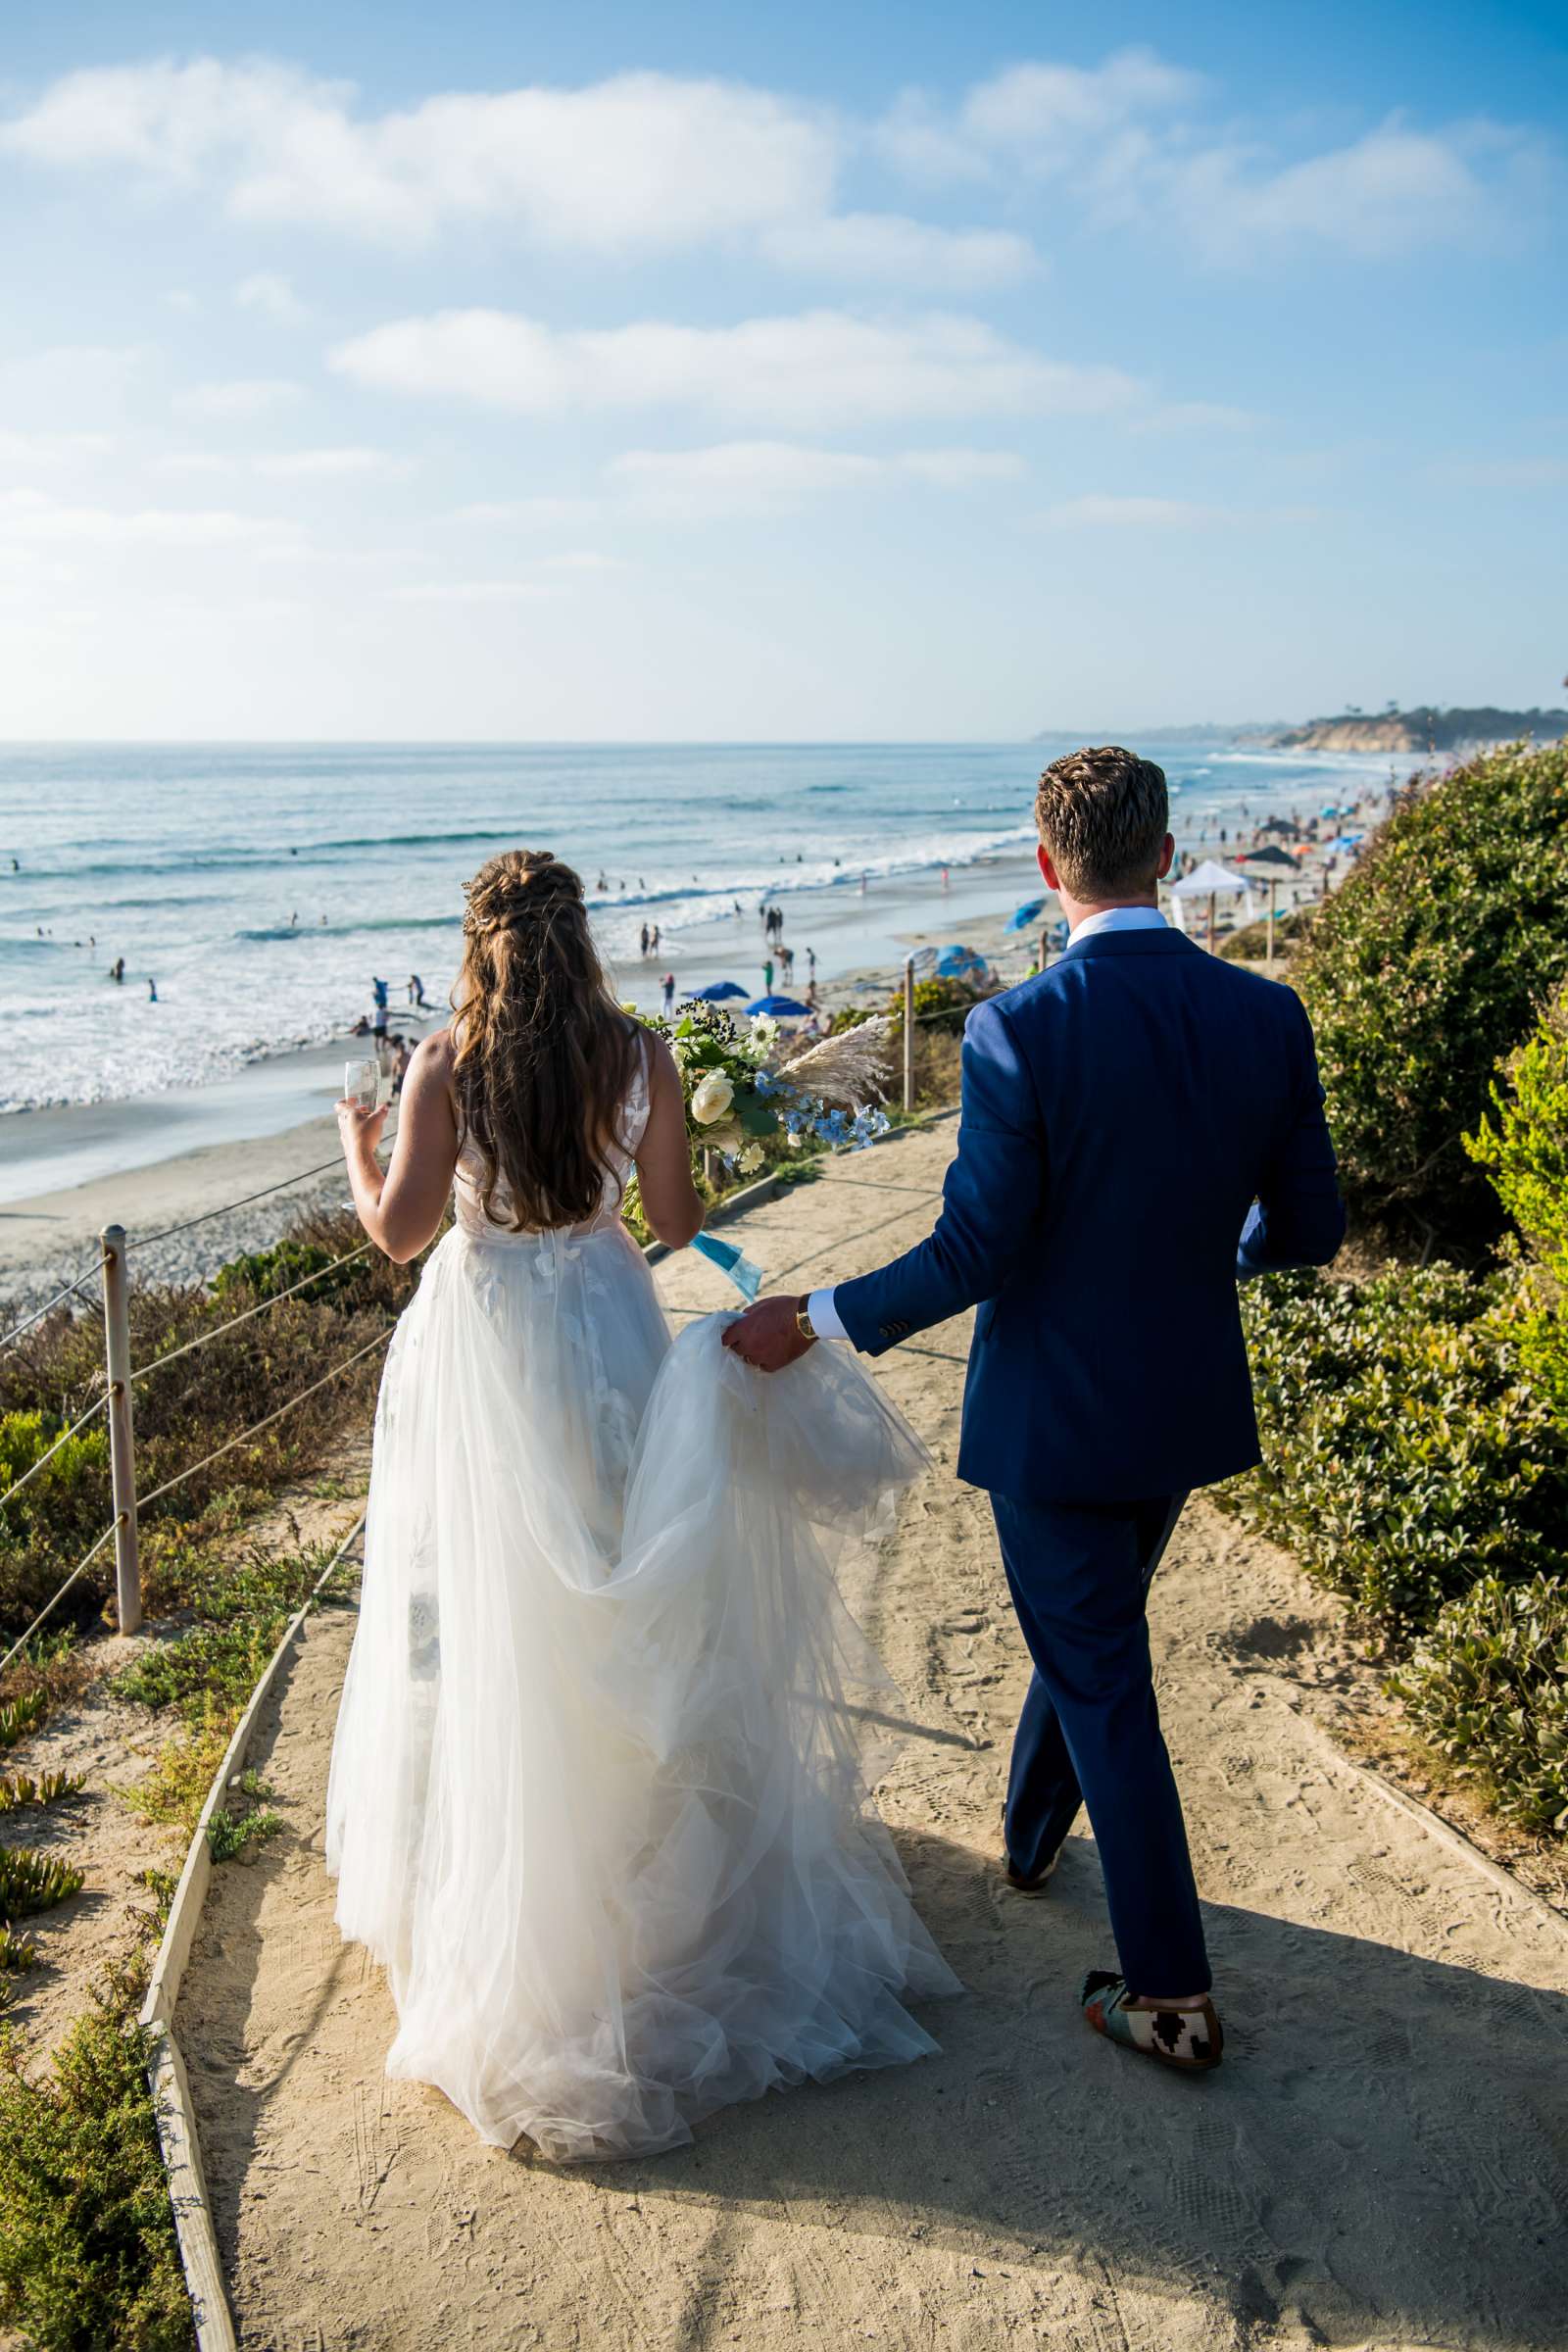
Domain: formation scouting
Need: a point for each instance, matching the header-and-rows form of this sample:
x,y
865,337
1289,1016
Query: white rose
x,y
713,1098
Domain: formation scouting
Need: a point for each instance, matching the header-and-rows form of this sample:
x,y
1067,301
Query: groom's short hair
x,y
1102,816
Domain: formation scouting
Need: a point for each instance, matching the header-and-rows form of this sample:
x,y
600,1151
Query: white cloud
x,y
194,462
28,514
534,514
633,164
29,452
1391,193
889,248
1099,513
329,464
1037,113
585,560
239,401
820,367
1198,416
1125,142
273,295
1036,117
470,592
740,478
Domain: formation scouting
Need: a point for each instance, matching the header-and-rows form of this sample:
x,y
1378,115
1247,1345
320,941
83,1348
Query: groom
x,y
1127,1115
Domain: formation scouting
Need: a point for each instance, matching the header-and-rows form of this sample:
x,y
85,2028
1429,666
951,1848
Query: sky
x,y
786,374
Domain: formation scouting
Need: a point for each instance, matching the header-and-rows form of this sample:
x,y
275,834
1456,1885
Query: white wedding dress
x,y
598,1797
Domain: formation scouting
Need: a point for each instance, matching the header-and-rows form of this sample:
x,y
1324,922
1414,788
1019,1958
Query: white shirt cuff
x,y
826,1316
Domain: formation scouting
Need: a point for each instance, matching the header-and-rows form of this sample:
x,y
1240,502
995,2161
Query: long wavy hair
x,y
544,1056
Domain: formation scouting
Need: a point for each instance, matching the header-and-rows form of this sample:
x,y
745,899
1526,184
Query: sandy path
x,y
1382,2163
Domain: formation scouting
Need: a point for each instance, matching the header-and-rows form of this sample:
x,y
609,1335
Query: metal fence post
x,y
908,1033
121,1440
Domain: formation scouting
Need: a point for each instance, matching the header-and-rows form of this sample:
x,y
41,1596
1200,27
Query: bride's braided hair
x,y
544,1056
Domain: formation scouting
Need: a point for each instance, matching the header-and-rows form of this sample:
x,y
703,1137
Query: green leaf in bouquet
x,y
757,1119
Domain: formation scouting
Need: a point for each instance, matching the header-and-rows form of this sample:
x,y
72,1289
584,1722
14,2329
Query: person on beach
x,y
668,986
596,1799
768,977
644,940
1142,1126
417,996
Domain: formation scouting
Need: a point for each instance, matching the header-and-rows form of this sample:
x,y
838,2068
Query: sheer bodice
x,y
471,1219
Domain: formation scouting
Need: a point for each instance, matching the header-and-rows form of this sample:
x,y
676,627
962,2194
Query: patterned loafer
x,y
1191,2038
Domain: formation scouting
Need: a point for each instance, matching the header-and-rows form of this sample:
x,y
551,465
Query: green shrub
x,y
1489,1685
187,1406
1425,968
88,2257
1526,1156
1404,1454
265,1273
1249,945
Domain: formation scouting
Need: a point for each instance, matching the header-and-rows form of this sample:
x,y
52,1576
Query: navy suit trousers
x,y
1090,1734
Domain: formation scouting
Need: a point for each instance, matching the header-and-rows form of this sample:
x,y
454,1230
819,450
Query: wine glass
x,y
362,1083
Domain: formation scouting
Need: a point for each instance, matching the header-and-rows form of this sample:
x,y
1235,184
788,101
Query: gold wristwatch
x,y
803,1316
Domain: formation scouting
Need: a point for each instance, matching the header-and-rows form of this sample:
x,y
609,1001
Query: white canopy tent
x,y
1211,881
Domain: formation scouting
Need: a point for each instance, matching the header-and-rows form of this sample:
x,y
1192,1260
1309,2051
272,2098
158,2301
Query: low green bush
x,y
1524,1149
1425,968
88,2257
266,1273
1489,1685
1405,1454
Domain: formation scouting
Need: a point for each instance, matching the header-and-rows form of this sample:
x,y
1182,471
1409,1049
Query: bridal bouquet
x,y
741,1092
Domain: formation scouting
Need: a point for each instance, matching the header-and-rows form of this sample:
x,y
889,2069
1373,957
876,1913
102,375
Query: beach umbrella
x,y
1269,855
1025,915
787,1009
1209,881
956,963
718,992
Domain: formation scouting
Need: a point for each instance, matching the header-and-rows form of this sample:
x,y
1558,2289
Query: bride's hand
x,y
766,1335
361,1129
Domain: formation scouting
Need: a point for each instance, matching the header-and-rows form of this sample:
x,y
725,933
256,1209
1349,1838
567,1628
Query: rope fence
x,y
112,1268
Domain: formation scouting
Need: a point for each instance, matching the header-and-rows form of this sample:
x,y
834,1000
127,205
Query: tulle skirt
x,y
598,1798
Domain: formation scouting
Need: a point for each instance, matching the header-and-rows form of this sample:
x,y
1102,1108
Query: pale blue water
x,y
263,886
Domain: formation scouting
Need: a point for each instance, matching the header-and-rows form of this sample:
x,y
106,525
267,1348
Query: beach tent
x,y
1347,841
718,992
786,1009
958,963
1268,855
1209,881
1026,915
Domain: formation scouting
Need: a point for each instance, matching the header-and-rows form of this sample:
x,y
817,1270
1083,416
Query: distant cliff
x,y
1418,731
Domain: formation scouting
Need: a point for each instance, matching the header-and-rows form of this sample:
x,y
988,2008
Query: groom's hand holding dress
x,y
1142,1125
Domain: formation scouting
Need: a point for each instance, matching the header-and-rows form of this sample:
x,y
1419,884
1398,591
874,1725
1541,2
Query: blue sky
x,y
777,373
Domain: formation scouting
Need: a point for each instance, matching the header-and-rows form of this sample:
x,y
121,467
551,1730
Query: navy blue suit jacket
x,y
1126,1116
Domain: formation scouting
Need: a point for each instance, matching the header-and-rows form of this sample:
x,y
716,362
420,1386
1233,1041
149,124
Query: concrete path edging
x,y
166,2067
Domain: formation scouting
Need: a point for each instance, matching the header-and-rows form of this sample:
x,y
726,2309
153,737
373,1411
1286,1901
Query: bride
x,y
598,1790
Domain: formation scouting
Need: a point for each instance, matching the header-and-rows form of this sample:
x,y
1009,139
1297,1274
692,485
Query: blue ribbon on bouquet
x,y
747,1278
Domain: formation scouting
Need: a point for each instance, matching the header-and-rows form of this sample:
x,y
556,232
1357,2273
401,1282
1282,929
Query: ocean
x,y
262,886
